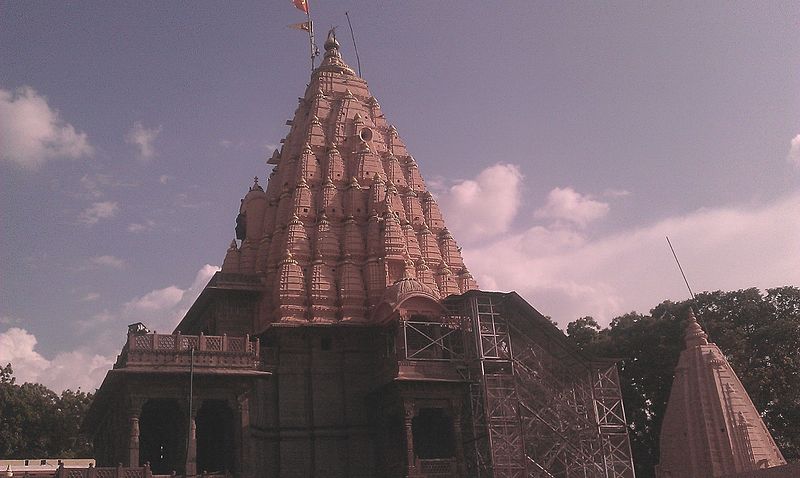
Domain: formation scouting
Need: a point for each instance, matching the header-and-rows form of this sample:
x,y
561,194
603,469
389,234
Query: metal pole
x,y
191,392
680,268
353,36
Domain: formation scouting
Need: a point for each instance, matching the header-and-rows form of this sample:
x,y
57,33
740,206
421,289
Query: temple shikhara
x,y
345,337
711,428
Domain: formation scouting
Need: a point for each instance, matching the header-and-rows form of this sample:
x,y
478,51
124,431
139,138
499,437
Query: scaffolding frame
x,y
536,409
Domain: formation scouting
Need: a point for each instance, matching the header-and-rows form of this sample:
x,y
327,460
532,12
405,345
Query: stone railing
x,y
147,350
88,472
443,467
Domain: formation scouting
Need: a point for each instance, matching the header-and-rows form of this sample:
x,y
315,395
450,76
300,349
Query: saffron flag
x,y
301,5
301,26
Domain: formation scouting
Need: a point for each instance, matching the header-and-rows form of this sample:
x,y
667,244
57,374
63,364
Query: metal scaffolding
x,y
536,408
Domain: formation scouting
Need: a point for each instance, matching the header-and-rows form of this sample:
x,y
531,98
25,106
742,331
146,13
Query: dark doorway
x,y
433,434
392,446
215,437
162,436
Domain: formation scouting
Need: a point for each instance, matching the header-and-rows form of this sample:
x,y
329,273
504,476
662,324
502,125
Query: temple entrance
x,y
163,435
433,434
215,437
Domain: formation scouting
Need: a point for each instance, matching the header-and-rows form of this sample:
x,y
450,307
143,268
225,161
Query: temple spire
x,y
331,43
332,61
695,335
345,213
711,427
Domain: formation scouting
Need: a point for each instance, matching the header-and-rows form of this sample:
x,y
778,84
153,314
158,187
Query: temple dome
x,y
403,290
406,288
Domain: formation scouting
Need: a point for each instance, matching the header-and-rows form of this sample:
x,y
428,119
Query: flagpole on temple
x,y
308,26
310,35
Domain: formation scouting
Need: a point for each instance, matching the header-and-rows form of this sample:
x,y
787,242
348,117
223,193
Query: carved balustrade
x,y
178,350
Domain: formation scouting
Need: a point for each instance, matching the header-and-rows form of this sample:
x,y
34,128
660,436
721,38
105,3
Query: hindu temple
x,y
345,336
711,427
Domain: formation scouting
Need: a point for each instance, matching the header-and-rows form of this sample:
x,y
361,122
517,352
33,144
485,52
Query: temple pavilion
x,y
345,336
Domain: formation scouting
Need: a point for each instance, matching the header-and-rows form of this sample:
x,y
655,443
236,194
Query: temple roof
x,y
711,427
345,213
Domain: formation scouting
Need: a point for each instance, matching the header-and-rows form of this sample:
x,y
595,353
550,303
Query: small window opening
x,y
365,134
433,434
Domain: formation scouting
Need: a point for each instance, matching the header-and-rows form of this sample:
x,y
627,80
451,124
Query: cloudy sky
x,y
563,140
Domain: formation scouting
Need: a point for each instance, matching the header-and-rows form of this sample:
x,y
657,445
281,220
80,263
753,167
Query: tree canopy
x,y
35,422
759,333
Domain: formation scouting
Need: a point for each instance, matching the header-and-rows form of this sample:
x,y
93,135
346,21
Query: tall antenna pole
x,y
353,36
680,268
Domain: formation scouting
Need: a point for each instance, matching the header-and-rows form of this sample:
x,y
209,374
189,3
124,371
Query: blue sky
x,y
564,140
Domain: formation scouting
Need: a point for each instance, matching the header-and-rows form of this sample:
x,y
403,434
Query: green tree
x,y
759,333
583,331
36,422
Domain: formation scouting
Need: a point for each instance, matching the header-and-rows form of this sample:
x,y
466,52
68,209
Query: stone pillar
x,y
191,449
134,412
241,437
409,417
133,441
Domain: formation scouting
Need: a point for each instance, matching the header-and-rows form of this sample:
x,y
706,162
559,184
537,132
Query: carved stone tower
x,y
344,336
711,428
345,213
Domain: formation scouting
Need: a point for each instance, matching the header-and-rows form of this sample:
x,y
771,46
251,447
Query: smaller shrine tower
x,y
711,428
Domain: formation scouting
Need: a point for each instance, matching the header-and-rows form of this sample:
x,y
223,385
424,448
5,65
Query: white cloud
x,y
74,369
92,184
16,347
794,151
143,138
569,205
566,275
616,193
90,297
138,227
85,366
97,211
160,309
32,133
108,261
485,206
158,299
